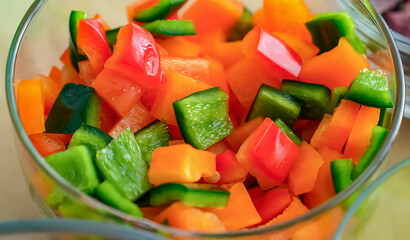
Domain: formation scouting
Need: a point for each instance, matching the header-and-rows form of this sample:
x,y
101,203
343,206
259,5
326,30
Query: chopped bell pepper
x,y
163,28
196,195
112,37
288,131
342,173
152,136
228,168
93,112
120,163
338,93
180,163
269,165
315,98
241,27
327,28
259,44
46,145
68,111
370,88
376,141
194,67
203,117
306,50
74,55
93,137
273,103
240,134
107,193
180,47
157,11
30,102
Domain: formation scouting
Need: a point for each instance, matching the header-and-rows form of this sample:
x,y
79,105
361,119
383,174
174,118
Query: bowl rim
x,y
366,193
146,224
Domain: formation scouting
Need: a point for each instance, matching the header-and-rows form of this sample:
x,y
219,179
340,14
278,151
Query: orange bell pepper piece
x,y
219,147
151,212
304,49
359,138
180,163
180,47
288,16
178,86
240,211
217,74
245,77
136,119
334,131
64,138
227,53
65,57
69,74
242,133
46,145
259,18
31,106
303,174
190,218
323,189
197,68
55,74
50,90
338,67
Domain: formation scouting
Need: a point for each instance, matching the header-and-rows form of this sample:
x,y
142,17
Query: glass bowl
x,y
41,38
69,229
382,210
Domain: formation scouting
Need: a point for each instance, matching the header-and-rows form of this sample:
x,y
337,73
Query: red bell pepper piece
x,y
268,154
108,118
271,203
120,92
46,145
261,45
136,55
228,167
92,40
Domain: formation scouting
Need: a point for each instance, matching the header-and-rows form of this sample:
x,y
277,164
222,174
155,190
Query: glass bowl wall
x,y
43,36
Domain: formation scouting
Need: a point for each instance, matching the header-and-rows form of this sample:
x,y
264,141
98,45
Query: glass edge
x,y
356,204
63,184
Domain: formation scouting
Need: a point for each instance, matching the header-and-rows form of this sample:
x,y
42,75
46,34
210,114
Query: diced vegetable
x,y
241,27
342,173
228,167
69,109
180,47
74,55
93,112
152,136
196,195
93,137
304,49
196,68
203,117
31,106
163,28
273,103
327,28
240,134
288,131
46,145
157,11
315,98
180,163
120,163
370,88
107,193
338,93
270,166
76,166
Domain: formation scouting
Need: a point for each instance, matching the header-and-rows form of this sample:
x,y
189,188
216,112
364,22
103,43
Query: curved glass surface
x,y
28,47
382,211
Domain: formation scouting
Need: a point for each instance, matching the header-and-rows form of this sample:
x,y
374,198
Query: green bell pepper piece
x,y
288,131
112,37
69,109
164,28
93,137
203,117
327,28
121,164
197,195
107,193
342,173
77,167
338,93
273,103
93,111
157,11
75,56
154,135
315,98
376,141
242,27
370,88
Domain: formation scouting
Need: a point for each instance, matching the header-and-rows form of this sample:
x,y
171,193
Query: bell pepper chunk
x,y
31,106
195,67
241,27
338,93
338,67
302,177
304,49
136,56
334,131
93,137
261,45
46,145
121,164
228,168
269,165
271,203
203,117
242,133
288,131
92,40
342,173
74,55
50,90
370,88
180,163
240,207
139,6
227,53
180,47
196,195
164,28
157,11
120,92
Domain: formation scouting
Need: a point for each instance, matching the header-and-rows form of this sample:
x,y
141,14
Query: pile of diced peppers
x,y
207,117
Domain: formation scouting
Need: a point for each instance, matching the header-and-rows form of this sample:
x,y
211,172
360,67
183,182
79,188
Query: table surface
x,y
15,200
